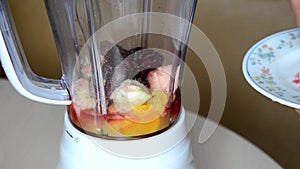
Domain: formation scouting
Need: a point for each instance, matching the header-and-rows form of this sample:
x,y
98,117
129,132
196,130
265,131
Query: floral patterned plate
x,y
272,67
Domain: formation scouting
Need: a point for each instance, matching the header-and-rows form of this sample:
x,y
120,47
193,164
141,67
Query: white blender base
x,y
168,150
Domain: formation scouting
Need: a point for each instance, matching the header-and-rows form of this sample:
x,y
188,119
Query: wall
x,y
233,26
35,34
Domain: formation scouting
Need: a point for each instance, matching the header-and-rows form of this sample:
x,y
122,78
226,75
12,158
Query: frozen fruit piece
x,y
159,79
112,57
81,96
151,110
87,71
135,63
80,86
110,60
105,46
84,101
129,94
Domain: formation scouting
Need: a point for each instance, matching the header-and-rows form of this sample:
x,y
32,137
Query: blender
x,y
122,71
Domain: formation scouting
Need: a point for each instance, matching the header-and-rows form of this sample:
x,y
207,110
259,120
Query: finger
x,y
296,9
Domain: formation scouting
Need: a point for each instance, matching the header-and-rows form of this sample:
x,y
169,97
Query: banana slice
x,y
129,94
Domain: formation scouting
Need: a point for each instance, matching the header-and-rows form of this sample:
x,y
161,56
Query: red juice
x,y
114,124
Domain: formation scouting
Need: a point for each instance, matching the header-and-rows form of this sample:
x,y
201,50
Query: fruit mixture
x,y
137,91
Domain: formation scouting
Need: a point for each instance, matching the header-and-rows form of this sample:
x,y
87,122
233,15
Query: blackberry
x,y
137,66
119,64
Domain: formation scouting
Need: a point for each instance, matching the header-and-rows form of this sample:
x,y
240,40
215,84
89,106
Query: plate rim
x,y
250,80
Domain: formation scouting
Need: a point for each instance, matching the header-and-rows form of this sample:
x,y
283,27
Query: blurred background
x,y
233,26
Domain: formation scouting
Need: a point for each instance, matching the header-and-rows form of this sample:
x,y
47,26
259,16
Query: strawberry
x,y
159,79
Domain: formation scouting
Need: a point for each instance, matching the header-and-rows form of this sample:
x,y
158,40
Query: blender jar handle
x,y
18,71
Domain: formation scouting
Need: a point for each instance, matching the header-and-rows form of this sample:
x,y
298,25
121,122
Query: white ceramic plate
x,y
272,67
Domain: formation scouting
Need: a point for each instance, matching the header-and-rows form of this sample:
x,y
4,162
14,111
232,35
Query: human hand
x,y
296,8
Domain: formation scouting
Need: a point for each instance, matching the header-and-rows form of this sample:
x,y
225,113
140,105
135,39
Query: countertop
x,y
30,135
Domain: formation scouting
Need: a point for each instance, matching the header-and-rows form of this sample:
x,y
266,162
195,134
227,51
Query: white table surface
x,y
30,134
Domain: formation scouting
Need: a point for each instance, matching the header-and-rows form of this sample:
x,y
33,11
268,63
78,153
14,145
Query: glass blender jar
x,y
120,79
